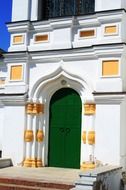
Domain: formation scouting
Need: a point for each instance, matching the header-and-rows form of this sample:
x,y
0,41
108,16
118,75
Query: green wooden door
x,y
65,129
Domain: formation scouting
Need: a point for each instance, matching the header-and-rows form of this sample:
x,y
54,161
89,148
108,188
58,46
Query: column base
x,y
39,163
27,162
88,166
34,163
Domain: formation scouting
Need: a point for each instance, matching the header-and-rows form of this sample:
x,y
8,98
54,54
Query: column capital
x,y
89,108
34,108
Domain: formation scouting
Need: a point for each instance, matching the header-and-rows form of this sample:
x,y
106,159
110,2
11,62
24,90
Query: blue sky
x,y
5,16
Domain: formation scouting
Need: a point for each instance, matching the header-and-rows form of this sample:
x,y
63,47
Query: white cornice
x,y
109,98
13,99
85,20
86,53
93,52
19,26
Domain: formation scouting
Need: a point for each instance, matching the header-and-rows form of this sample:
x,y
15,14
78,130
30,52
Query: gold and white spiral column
x,y
88,136
33,135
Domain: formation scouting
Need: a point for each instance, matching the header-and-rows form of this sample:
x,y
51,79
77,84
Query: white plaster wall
x,y
123,133
20,10
123,27
101,5
13,132
107,126
1,126
123,69
123,4
62,38
34,8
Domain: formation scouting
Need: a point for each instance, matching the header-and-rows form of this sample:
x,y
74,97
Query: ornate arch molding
x,y
58,79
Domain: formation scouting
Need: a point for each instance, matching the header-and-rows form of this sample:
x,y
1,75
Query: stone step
x,y
20,184
87,179
82,182
89,175
5,162
83,188
21,187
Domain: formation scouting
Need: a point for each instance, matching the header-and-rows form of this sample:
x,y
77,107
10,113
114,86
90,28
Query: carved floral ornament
x,y
34,108
89,109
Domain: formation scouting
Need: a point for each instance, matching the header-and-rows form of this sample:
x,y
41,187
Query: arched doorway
x,y
65,129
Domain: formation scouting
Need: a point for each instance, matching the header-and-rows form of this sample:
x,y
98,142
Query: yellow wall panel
x,y
110,29
16,72
18,39
41,38
110,67
87,33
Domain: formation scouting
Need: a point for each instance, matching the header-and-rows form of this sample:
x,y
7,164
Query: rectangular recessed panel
x,y
18,39
41,38
110,68
87,33
110,29
16,72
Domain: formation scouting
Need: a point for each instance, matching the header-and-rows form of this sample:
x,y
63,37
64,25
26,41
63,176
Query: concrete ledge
x,y
5,162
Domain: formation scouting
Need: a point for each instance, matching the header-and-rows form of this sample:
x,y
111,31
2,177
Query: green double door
x,y
65,129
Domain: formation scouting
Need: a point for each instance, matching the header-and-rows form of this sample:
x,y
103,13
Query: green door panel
x,y
57,138
65,129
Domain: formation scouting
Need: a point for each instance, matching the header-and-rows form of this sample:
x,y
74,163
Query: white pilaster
x,y
20,10
34,10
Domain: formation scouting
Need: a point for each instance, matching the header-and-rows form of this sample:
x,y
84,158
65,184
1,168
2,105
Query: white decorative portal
x,y
42,91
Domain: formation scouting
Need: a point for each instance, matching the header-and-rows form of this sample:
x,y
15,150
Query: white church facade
x,y
63,84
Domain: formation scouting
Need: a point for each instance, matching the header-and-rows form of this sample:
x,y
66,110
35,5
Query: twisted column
x,y
28,135
88,136
33,135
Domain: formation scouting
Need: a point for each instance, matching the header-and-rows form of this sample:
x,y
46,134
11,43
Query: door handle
x,y
68,130
62,130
